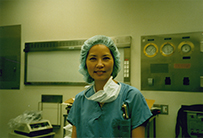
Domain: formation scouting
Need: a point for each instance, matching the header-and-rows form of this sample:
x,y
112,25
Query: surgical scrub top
x,y
91,120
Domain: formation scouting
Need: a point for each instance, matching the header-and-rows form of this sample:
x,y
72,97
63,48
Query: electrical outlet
x,y
164,109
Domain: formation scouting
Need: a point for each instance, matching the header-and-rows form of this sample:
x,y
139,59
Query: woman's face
x,y
100,63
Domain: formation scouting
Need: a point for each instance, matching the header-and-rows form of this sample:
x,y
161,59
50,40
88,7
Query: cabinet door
x,y
52,112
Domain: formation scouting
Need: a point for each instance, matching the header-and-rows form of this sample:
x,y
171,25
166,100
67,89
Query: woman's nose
x,y
100,64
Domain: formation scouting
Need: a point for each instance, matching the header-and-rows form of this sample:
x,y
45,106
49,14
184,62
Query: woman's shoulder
x,y
81,94
126,87
130,92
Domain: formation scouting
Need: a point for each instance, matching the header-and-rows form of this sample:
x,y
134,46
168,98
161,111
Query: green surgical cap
x,y
98,39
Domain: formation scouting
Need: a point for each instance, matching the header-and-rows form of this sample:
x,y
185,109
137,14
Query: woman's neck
x,y
99,85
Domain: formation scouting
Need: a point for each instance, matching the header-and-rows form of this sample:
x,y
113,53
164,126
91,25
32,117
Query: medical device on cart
x,y
39,129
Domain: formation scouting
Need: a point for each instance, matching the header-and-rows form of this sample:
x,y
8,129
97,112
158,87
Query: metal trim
x,y
121,42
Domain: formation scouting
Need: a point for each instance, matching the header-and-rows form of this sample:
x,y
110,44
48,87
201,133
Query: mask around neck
x,y
108,94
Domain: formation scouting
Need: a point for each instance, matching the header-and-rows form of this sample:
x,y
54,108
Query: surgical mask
x,y
109,94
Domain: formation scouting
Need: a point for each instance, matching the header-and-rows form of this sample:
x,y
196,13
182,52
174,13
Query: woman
x,y
97,111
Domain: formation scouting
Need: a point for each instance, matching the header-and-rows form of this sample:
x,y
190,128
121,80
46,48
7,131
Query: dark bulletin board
x,y
10,45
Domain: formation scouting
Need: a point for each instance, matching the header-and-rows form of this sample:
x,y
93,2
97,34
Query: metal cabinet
x,y
50,106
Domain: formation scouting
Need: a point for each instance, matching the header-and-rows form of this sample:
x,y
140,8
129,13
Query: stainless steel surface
x,y
176,69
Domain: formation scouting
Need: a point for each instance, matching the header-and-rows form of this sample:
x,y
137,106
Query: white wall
x,y
74,19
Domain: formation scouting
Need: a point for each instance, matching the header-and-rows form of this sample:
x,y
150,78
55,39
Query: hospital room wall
x,y
67,19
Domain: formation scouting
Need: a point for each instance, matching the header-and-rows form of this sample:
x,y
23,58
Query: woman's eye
x,y
106,58
92,59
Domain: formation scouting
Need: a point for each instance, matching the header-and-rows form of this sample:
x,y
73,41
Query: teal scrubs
x,y
91,120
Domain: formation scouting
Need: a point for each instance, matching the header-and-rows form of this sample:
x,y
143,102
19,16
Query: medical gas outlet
x,y
172,62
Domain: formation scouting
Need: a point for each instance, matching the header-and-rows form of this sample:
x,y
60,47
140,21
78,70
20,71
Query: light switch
x,y
201,81
150,81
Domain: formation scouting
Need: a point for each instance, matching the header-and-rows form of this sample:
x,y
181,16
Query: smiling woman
x,y
98,110
97,41
100,64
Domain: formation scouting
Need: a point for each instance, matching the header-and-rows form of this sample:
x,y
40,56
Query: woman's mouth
x,y
99,72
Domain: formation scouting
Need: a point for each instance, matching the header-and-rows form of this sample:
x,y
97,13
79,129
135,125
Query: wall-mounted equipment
x,y
172,62
57,62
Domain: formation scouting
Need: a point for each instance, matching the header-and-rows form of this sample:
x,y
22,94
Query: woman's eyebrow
x,y
92,55
106,55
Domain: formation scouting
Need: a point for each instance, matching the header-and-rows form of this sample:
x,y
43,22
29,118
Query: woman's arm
x,y
74,134
139,132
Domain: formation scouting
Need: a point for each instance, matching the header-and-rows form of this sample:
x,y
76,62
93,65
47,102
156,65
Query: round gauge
x,y
167,49
150,50
186,47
